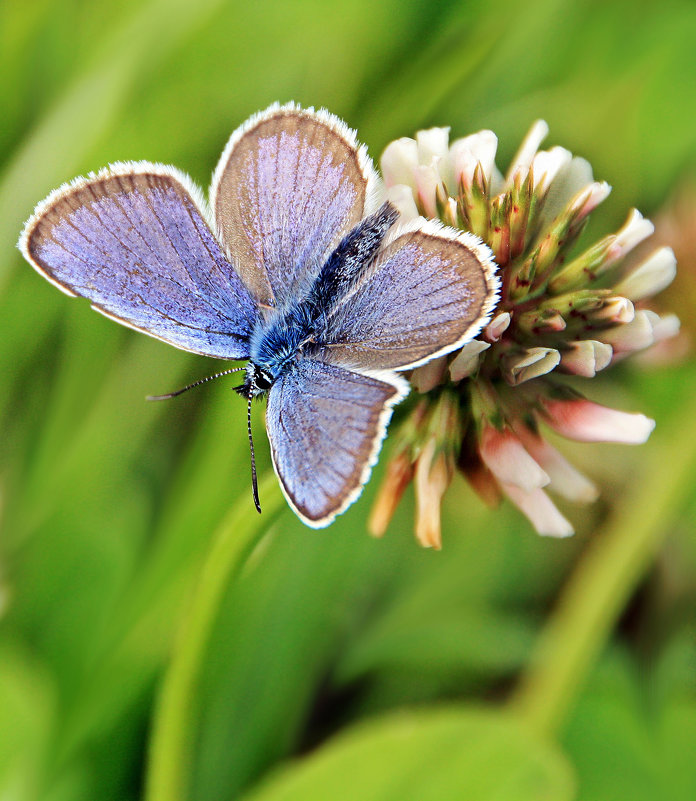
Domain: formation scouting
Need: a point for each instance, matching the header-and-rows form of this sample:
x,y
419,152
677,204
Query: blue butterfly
x,y
296,266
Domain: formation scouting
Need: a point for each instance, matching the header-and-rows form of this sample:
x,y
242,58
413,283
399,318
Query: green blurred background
x,y
338,666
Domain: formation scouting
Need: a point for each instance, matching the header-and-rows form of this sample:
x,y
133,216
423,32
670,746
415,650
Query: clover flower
x,y
484,408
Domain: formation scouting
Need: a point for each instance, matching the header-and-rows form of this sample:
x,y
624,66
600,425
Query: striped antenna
x,y
195,384
254,483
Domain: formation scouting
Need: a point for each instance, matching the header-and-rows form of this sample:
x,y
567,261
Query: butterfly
x,y
296,266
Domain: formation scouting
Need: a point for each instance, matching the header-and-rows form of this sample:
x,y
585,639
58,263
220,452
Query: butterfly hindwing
x,y
134,240
430,289
290,185
325,425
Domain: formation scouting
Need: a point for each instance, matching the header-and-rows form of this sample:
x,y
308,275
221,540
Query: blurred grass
x,y
108,504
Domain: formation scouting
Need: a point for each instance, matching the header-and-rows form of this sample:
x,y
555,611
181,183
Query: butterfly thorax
x,y
275,346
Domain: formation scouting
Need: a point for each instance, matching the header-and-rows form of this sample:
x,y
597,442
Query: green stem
x,y
175,714
607,575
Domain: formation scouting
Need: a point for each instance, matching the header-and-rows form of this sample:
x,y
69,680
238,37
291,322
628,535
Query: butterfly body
x,y
295,267
282,335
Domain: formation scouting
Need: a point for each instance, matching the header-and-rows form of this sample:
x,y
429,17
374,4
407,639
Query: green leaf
x,y
429,756
448,641
27,706
633,737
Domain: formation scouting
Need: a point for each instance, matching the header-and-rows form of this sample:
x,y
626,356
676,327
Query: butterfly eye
x,y
263,380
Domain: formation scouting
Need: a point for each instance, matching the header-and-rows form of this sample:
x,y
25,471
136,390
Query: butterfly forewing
x,y
325,426
290,184
135,242
430,290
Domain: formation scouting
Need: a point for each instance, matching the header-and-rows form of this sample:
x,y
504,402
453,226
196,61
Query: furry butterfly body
x,y
297,267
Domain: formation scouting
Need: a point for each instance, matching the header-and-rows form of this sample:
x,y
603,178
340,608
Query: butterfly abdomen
x,y
349,262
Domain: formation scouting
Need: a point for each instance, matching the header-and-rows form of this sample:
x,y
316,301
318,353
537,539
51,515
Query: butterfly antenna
x,y
254,483
195,384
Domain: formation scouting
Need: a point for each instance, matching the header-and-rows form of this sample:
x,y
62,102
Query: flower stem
x,y
607,575
174,723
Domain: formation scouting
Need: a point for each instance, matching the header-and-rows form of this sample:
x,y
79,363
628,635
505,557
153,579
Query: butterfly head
x,y
257,382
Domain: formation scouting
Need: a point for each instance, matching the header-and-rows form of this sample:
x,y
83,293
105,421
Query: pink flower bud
x,y
635,230
664,327
589,198
546,165
540,511
433,148
651,277
427,180
432,143
523,158
533,362
402,197
429,375
398,476
585,421
572,183
466,362
565,479
497,326
449,213
636,335
399,160
505,456
586,357
467,153
615,310
433,476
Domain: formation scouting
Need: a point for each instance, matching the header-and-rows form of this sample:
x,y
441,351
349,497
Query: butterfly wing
x,y
289,185
134,240
430,290
326,426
